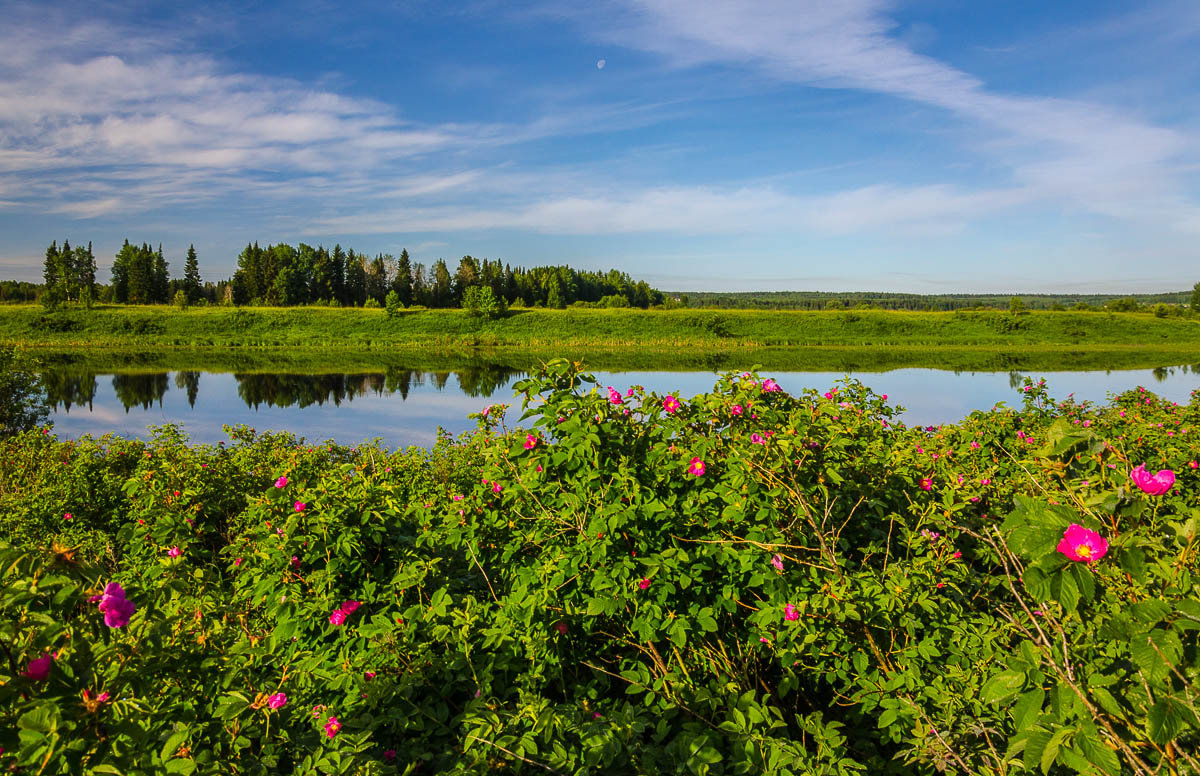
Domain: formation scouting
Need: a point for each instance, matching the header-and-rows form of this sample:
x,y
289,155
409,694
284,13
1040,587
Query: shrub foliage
x,y
744,582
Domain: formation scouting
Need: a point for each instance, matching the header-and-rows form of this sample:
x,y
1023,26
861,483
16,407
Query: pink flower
x,y
174,552
696,467
237,562
770,386
614,396
643,584
1194,464
389,754
974,445
295,562
277,701
927,483
791,613
670,404
97,699
757,439
39,668
114,606
777,562
67,516
332,726
736,409
1153,484
531,441
338,617
300,506
281,482
1081,544
369,675
561,627
349,607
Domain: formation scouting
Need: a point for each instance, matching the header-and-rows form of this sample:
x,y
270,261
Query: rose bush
x,y
747,581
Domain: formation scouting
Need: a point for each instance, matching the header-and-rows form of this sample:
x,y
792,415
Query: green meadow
x,y
333,339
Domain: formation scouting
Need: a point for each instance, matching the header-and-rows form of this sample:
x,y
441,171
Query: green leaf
x,y
1027,708
1065,590
1167,718
1001,686
1101,756
1156,652
174,741
1050,753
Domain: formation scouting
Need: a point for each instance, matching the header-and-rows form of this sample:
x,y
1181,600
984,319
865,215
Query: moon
x,y
600,63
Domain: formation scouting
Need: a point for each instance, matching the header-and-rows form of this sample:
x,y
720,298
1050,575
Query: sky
x,y
926,146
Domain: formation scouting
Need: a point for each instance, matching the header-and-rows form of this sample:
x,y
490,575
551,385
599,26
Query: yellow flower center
x,y
1083,551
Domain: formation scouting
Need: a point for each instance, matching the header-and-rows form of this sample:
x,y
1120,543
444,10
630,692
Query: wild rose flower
x,y
777,562
39,668
332,726
561,627
736,410
791,613
757,439
349,607
174,552
770,386
115,607
927,483
67,516
300,506
368,675
643,584
531,441
1153,484
277,701
670,404
696,467
295,562
614,396
1081,544
237,562
281,482
338,617
496,488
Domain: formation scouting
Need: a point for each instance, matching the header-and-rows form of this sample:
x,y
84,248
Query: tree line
x,y
284,275
835,300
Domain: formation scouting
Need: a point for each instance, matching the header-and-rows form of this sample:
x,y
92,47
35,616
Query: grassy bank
x,y
316,338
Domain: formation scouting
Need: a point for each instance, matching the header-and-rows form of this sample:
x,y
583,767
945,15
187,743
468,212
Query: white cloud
x,y
1090,156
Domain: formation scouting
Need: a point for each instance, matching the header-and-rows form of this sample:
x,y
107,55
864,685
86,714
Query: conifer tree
x,y
191,276
402,284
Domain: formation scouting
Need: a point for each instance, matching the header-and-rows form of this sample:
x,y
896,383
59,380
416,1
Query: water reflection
x,y
66,390
408,406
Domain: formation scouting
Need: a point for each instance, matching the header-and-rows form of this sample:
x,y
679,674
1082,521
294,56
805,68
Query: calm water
x,y
407,407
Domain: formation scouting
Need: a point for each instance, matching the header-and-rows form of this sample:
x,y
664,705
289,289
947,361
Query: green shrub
x,y
743,582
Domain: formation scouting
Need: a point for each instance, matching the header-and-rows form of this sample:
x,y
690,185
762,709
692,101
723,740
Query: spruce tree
x,y
191,276
402,284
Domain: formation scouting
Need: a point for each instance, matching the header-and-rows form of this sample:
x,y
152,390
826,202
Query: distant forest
x,y
284,275
843,300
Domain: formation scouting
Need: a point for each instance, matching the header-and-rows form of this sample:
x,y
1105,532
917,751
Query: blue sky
x,y
927,146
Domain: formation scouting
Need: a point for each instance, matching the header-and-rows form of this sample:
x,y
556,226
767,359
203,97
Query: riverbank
x,y
333,339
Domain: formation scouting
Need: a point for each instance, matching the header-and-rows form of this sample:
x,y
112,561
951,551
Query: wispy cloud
x,y
1089,156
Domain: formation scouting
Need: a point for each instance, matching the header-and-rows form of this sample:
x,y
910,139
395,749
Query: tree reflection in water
x,y
287,390
143,389
67,389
